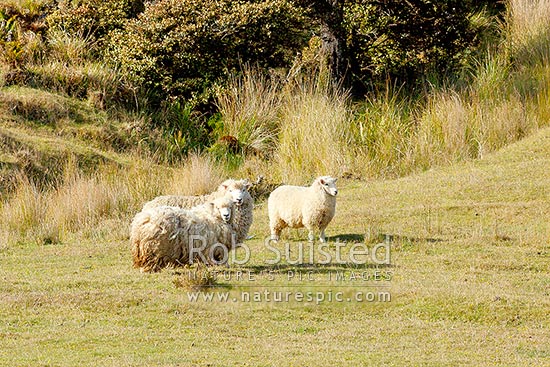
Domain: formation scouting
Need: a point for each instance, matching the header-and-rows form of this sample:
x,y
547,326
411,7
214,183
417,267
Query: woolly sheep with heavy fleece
x,y
166,236
230,186
236,189
312,207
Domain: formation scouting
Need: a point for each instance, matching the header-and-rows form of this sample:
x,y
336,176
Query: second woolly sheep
x,y
165,235
236,189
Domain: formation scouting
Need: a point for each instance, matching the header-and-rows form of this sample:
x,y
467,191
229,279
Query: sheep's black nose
x,y
335,192
239,201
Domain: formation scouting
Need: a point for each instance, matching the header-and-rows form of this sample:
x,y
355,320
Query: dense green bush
x,y
407,39
180,48
94,17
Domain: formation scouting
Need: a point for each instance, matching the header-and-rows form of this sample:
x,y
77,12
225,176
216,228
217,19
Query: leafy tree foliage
x,y
94,17
404,39
180,48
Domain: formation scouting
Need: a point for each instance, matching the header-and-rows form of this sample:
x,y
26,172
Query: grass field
x,y
470,284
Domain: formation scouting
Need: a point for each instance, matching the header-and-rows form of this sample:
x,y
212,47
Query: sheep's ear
x,y
322,181
247,184
335,179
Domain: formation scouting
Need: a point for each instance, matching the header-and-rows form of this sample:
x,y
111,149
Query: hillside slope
x,y
41,131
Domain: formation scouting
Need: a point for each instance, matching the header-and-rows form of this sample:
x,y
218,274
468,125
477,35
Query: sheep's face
x,y
223,207
328,184
235,190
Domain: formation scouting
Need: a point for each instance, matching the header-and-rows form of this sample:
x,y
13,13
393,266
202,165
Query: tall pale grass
x,y
528,30
314,137
250,107
382,132
199,175
23,214
453,127
82,203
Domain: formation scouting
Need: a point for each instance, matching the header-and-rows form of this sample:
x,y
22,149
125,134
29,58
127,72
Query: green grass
x,y
470,284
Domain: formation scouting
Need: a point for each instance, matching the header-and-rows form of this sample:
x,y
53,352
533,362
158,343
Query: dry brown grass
x,y
198,175
80,202
195,278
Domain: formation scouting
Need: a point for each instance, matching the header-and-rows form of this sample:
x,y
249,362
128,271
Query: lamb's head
x,y
328,184
222,208
236,190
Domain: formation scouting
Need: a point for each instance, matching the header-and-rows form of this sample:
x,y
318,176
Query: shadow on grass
x,y
317,268
347,237
381,238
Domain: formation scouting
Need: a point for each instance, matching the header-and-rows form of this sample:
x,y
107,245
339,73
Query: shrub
x,y
180,48
407,39
94,17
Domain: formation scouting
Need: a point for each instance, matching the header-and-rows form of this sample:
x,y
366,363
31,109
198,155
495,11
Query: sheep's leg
x,y
276,228
275,235
311,234
220,259
322,236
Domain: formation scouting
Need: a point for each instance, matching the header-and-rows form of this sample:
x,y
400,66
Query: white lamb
x,y
168,236
236,189
312,207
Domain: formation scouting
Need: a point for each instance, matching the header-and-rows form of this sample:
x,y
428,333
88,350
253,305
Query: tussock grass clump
x,y
382,132
23,214
196,277
443,134
314,132
528,30
250,108
69,47
198,175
